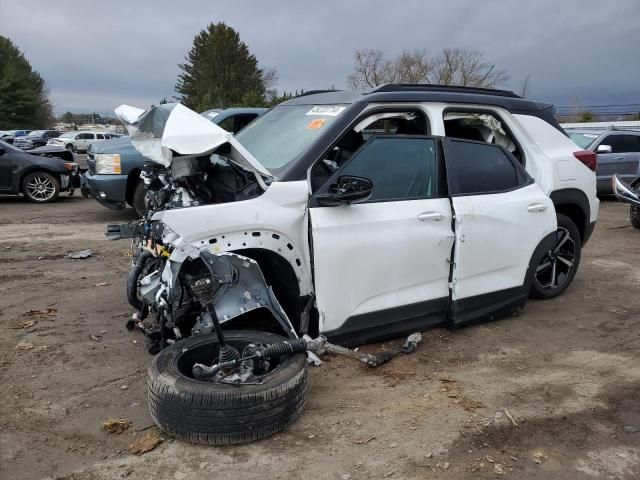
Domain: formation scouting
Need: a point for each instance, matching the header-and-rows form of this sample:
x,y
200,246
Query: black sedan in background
x,y
40,175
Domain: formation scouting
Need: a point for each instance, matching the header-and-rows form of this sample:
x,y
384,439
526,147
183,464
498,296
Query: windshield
x,y
37,133
68,135
583,140
276,138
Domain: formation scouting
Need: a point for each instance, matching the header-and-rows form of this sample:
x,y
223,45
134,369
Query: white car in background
x,y
78,141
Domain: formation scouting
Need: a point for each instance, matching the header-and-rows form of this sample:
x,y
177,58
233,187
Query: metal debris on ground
x,y
80,255
145,443
513,421
116,425
102,284
95,338
364,442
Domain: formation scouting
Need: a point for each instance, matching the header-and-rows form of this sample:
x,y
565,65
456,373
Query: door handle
x,y
433,216
537,207
619,158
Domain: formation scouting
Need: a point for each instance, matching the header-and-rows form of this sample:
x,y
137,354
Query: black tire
x,y
70,147
219,414
41,187
634,216
565,251
138,199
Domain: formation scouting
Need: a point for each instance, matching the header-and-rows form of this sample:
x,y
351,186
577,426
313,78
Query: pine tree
x,y
23,96
219,72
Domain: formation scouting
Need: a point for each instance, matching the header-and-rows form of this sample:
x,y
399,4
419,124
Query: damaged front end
x,y
188,289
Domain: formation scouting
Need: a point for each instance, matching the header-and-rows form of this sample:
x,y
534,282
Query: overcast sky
x,y
97,55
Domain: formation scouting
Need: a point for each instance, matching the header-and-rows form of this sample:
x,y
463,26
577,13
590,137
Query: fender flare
x,y
576,199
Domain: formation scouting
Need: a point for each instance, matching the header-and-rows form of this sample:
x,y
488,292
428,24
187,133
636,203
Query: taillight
x,y
590,159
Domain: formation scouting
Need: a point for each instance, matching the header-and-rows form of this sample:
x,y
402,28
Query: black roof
x,y
425,93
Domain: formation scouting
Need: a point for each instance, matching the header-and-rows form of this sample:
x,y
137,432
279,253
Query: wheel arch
x,y
574,204
33,169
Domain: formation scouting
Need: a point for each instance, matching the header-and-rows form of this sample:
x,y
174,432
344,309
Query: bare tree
x,y
525,87
466,67
370,69
452,66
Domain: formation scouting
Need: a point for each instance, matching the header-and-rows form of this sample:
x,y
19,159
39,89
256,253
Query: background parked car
x,y
36,138
78,141
8,136
113,177
39,177
618,153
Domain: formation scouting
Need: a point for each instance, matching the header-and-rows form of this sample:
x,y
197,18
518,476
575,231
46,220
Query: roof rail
x,y
313,92
427,87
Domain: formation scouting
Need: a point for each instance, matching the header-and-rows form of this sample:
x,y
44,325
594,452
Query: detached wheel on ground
x,y
557,268
138,199
218,413
41,187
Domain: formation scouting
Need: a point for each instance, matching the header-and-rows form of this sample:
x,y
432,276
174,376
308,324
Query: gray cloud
x,y
98,55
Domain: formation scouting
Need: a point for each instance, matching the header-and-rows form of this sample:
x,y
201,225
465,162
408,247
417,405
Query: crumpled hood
x,y
160,131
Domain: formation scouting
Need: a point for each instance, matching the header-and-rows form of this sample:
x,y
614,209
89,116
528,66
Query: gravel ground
x,y
553,393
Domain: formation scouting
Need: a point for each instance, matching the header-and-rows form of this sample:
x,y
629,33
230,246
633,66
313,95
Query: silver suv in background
x,y
618,153
78,141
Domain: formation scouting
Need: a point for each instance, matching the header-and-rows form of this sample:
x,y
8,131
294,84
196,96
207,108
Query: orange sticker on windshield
x,y
317,123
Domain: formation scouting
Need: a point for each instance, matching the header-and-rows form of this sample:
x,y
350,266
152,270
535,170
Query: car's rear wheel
x,y
556,269
69,146
41,187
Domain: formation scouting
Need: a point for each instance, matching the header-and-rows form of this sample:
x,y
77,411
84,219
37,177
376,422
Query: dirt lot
x,y
566,371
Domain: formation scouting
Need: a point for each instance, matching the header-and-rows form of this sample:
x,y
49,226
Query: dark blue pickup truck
x,y
113,176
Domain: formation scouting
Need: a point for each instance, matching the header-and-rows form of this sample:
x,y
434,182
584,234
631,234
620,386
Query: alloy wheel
x,y
556,266
41,188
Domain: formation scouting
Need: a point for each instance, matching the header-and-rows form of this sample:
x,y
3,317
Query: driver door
x,y
382,266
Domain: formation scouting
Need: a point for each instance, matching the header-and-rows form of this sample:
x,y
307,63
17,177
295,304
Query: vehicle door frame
x,y
500,302
403,318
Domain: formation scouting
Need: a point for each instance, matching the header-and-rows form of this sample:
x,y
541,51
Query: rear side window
x,y
630,143
477,168
100,136
400,168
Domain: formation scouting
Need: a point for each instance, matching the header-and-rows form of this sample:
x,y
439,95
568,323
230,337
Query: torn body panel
x,y
276,221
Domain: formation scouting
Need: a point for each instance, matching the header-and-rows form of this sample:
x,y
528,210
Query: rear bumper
x,y
109,190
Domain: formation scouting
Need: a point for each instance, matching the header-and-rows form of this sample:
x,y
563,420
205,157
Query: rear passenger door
x,y
501,216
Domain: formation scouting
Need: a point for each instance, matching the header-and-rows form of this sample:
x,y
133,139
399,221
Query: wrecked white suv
x,y
359,217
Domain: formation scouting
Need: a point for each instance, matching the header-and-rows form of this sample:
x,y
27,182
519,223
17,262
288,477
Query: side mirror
x,y
346,190
604,149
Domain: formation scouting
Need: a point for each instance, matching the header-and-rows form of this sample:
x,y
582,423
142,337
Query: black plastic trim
x,y
391,323
574,197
